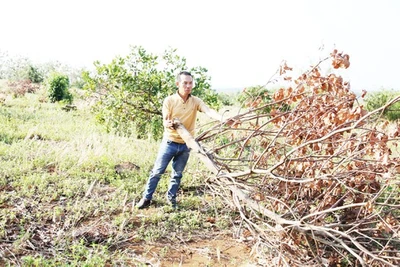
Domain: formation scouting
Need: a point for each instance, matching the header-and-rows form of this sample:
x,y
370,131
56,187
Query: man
x,y
184,107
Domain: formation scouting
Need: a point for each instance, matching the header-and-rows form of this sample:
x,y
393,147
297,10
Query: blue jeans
x,y
179,154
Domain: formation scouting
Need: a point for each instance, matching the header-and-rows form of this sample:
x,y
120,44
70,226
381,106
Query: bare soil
x,y
216,249
218,252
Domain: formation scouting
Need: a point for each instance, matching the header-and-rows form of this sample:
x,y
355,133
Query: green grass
x,y
63,203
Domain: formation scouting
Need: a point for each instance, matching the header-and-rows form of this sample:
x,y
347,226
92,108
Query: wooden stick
x,y
195,147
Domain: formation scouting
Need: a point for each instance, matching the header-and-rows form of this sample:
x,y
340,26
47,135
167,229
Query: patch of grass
x,y
62,201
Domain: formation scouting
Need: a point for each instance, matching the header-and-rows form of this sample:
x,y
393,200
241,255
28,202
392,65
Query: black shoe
x,y
173,204
143,203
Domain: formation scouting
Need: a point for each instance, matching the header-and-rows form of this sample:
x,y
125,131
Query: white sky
x,y
241,43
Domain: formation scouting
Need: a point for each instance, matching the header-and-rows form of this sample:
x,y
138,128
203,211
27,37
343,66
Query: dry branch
x,y
312,173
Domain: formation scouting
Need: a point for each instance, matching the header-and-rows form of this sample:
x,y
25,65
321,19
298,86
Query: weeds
x,y
63,202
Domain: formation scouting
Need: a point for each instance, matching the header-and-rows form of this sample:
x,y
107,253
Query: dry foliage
x,y
22,87
316,179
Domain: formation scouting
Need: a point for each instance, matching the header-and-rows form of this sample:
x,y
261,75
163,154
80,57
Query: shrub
x,y
34,74
379,99
58,88
22,87
227,99
260,98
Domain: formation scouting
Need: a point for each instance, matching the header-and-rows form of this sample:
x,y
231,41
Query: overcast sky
x,y
241,43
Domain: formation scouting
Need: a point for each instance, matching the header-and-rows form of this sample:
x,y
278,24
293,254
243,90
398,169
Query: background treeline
x,y
127,92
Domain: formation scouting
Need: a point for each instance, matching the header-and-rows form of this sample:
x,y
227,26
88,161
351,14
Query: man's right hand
x,y
169,124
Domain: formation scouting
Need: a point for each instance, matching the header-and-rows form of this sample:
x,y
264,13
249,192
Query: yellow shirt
x,y
186,112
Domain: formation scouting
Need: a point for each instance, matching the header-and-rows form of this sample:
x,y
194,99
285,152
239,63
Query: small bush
x,y
34,74
258,96
379,99
227,99
58,88
22,87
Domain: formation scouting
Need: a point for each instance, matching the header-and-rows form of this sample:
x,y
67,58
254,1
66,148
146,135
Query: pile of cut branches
x,y
312,173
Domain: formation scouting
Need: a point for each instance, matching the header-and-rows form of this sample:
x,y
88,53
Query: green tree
x,y
130,90
34,74
228,99
259,97
58,88
379,99
14,68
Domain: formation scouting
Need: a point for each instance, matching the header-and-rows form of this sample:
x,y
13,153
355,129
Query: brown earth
x,y
217,249
218,252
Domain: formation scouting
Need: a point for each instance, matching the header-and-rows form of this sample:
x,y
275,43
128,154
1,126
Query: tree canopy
x,y
130,90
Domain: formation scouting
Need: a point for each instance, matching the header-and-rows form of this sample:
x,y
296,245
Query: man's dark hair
x,y
184,72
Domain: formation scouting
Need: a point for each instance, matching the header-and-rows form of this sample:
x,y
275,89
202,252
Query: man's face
x,y
185,85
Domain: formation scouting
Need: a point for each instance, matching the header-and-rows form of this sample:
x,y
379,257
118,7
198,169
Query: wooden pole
x,y
195,147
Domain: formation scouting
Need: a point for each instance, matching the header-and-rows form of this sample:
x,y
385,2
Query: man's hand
x,y
169,123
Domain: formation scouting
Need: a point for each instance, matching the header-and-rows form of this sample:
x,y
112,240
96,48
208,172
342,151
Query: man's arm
x,y
166,114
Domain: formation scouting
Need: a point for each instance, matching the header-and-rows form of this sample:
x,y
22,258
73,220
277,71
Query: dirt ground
x,y
219,252
211,251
